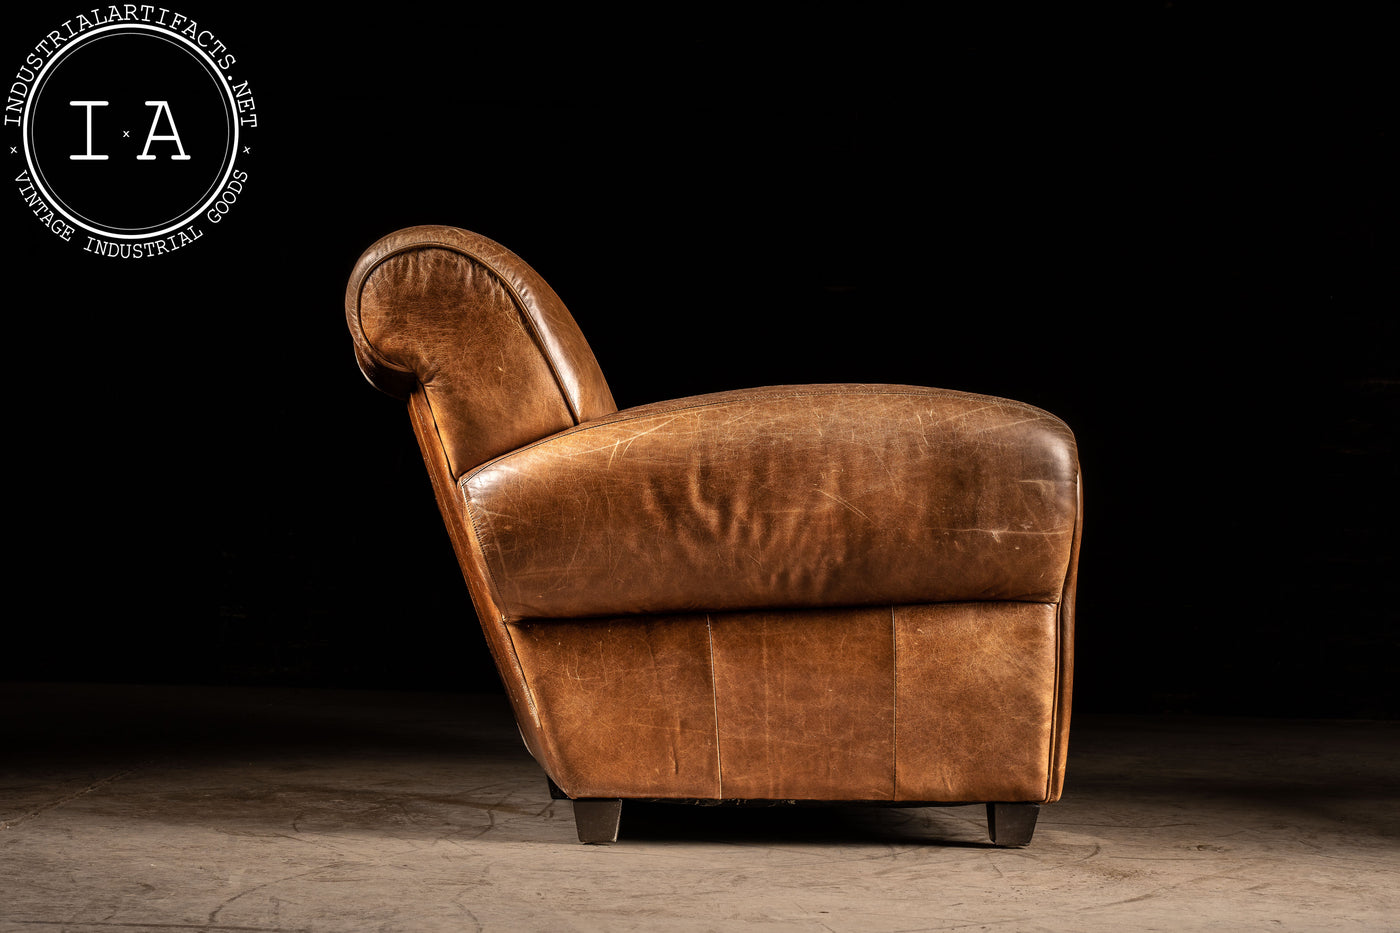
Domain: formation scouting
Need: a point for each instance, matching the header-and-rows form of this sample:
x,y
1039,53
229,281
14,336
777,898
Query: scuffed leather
x,y
496,353
942,703
792,723
782,497
793,592
628,704
976,712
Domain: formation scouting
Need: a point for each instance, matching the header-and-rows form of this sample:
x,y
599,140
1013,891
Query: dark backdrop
x,y
1173,228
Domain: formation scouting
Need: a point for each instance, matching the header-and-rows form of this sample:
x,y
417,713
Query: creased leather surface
x,y
976,700
804,592
782,497
793,722
500,359
944,703
629,704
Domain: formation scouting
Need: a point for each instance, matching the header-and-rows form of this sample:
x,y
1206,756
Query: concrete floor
x,y
165,809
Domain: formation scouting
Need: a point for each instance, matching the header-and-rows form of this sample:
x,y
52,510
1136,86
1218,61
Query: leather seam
x,y
1055,703
1061,607
481,543
437,430
894,706
520,302
360,297
714,695
510,630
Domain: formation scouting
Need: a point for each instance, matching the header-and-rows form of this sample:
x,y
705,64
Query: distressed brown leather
x,y
948,702
832,592
494,351
977,689
784,497
635,691
805,703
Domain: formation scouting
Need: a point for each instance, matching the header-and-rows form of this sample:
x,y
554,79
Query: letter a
x,y
161,106
89,104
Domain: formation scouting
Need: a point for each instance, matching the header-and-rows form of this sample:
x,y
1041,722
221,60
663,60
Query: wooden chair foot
x,y
1011,824
597,820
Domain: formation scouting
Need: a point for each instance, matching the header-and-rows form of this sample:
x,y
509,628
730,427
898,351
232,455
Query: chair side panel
x,y
806,704
976,700
627,704
948,703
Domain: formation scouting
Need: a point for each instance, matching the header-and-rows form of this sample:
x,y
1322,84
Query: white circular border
x,y
201,56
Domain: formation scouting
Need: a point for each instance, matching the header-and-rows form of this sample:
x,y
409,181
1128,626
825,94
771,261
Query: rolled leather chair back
x,y
496,354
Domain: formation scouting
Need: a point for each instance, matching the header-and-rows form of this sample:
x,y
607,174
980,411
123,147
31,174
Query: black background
x,y
1171,226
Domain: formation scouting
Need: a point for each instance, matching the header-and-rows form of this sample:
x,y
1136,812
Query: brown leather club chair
x,y
837,593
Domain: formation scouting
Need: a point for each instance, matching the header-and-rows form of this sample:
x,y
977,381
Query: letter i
x,y
89,104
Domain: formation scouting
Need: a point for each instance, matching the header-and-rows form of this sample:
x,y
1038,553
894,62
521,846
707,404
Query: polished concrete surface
x,y
160,809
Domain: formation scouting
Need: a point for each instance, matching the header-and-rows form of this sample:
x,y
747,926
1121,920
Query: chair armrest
x,y
782,497
497,356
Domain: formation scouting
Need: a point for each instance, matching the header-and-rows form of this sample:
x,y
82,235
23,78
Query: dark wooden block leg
x,y
597,820
1012,824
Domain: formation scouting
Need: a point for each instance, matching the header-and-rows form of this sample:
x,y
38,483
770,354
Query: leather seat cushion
x,y
781,497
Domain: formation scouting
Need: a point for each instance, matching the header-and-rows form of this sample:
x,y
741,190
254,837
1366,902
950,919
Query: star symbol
x,y
247,150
